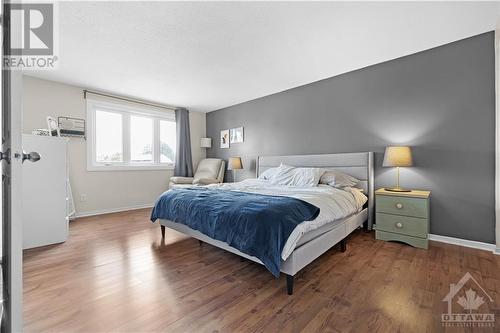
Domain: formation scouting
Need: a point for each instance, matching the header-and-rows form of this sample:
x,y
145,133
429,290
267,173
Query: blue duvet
x,y
255,224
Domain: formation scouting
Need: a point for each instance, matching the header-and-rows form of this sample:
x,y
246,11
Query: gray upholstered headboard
x,y
359,165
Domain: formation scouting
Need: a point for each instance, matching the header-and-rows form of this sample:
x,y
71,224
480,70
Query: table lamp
x,y
233,164
397,156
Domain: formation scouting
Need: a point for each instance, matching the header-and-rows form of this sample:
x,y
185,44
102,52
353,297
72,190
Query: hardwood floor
x,y
115,274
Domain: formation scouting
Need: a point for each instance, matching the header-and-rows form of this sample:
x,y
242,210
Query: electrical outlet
x,y
83,197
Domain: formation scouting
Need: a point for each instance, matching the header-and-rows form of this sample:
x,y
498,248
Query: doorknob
x,y
32,157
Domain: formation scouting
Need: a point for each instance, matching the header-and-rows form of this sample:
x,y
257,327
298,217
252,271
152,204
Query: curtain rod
x,y
85,91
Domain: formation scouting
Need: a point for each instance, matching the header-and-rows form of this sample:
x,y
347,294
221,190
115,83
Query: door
x,y
11,186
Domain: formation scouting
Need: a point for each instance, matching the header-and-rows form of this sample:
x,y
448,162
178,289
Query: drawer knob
x,y
399,205
399,225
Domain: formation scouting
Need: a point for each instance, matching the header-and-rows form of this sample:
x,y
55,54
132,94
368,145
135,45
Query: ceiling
x,y
210,55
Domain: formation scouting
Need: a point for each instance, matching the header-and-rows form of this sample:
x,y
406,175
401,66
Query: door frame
x,y
12,256
497,137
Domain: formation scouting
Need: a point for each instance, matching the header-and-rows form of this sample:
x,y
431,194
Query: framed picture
x,y
224,138
236,135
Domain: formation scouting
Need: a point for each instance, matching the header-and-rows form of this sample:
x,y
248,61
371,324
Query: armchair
x,y
210,171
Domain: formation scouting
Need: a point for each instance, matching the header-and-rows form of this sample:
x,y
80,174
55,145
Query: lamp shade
x,y
234,163
397,156
206,143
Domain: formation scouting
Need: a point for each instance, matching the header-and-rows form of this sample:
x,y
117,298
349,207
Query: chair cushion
x,y
207,169
182,180
206,181
174,185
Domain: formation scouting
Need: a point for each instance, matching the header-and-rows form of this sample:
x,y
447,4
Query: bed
x,y
308,244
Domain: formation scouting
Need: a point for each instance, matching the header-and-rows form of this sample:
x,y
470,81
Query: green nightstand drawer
x,y
414,207
422,243
405,225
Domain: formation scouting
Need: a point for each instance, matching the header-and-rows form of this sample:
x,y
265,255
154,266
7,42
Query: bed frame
x,y
359,165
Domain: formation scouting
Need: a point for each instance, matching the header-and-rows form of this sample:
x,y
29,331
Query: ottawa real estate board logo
x,y
466,304
33,36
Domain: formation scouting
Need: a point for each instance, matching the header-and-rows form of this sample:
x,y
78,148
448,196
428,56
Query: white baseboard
x,y
465,242
111,210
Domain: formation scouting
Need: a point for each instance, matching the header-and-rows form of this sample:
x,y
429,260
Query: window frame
x,y
126,110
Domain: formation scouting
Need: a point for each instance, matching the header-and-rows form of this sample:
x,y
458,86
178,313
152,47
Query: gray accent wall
x,y
440,101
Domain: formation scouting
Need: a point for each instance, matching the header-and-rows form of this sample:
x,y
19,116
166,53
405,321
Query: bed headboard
x,y
359,165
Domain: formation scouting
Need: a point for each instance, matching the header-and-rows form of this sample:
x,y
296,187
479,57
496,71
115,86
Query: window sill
x,y
129,167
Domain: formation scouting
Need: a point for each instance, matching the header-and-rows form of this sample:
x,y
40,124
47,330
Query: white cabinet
x,y
45,191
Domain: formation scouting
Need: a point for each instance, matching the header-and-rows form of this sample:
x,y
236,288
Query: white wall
x,y
105,190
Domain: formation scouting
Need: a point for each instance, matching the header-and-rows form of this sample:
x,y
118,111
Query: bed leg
x,y
200,242
343,245
162,231
365,226
289,284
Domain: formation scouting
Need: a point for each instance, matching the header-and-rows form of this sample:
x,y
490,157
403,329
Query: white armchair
x,y
210,171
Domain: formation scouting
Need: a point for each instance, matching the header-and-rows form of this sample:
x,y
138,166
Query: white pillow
x,y
288,175
281,174
268,174
337,178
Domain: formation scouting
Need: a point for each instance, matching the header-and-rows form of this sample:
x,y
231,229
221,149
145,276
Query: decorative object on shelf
x,y
397,156
234,164
403,217
53,126
206,143
71,127
224,138
236,135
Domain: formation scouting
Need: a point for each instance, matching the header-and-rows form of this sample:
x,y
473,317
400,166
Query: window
x,y
108,135
141,139
167,141
128,137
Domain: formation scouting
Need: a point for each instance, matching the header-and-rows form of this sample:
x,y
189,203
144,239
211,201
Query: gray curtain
x,y
183,158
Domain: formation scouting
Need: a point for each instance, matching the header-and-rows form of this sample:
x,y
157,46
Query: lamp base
x,y
397,189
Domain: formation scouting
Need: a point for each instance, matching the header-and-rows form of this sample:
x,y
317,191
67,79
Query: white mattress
x,y
335,205
319,231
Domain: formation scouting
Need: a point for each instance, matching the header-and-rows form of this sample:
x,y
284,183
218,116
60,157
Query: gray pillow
x,y
338,179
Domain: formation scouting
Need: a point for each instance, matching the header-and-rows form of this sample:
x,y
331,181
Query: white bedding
x,y
334,203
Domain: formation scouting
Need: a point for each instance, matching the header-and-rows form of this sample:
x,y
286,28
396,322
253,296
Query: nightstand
x,y
403,217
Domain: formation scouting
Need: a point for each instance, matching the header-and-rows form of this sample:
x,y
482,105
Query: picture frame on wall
x,y
236,135
224,138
